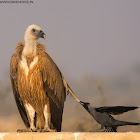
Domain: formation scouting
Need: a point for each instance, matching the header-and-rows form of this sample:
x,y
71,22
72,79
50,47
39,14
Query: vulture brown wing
x,y
53,87
13,75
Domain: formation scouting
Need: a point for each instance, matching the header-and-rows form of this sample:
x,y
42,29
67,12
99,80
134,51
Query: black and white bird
x,y
103,116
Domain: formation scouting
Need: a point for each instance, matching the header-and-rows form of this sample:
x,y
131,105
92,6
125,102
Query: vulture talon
x,y
23,130
48,130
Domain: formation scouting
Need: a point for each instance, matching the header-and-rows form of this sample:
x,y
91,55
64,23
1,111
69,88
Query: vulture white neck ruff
x,y
30,47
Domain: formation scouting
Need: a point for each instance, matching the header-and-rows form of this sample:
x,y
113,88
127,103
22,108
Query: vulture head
x,y
34,32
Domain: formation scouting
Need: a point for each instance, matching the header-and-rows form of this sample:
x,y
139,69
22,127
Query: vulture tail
x,y
69,90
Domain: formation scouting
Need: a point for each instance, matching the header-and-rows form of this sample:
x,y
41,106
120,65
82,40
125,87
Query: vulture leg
x,y
47,126
31,115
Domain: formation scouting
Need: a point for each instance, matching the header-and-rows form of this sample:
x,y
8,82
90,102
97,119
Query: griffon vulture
x,y
38,85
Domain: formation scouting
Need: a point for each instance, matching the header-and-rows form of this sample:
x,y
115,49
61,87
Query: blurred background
x,y
96,45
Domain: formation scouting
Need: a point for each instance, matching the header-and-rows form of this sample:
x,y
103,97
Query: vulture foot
x,y
27,130
23,130
48,130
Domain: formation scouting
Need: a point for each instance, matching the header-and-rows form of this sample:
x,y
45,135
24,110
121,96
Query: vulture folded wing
x,y
13,76
53,87
115,110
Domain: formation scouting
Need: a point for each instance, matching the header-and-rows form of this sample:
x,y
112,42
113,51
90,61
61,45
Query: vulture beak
x,y
42,34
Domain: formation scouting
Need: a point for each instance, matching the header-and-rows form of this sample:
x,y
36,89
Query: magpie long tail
x,y
122,123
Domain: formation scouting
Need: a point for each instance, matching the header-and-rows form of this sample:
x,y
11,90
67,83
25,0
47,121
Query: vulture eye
x,y
34,30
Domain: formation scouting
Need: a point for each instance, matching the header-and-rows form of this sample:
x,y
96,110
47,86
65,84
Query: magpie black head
x,y
85,104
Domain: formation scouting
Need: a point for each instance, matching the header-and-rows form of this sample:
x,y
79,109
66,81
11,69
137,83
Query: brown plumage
x,y
37,83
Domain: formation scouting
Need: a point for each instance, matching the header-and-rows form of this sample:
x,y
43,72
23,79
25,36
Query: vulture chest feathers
x,y
30,84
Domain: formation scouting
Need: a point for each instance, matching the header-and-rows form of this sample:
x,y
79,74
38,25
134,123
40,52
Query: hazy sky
x,y
94,37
